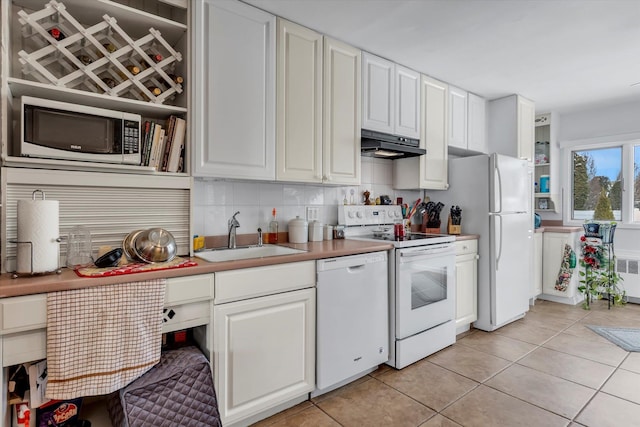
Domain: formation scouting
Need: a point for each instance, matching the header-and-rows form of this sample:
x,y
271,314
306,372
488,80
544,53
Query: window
x,y
636,183
597,184
598,179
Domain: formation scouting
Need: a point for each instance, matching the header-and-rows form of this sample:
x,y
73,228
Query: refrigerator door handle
x,y
499,198
499,242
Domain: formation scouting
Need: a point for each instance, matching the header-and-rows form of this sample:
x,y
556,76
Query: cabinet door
x,y
526,128
342,98
377,93
407,102
434,134
537,265
477,124
234,108
264,352
466,289
457,118
299,104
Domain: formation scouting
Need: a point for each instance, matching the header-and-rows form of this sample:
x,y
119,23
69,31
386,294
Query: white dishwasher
x,y
352,318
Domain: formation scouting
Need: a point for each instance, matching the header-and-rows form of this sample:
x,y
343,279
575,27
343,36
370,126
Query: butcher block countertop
x,y
70,280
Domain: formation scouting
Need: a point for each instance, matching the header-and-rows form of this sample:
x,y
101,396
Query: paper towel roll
x,y
38,222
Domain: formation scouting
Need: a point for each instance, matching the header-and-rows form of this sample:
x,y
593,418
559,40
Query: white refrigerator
x,y
495,195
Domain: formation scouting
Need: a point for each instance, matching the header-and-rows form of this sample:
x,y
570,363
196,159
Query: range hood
x,y
386,146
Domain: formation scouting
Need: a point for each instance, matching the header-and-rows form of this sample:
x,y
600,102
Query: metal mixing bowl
x,y
155,245
127,246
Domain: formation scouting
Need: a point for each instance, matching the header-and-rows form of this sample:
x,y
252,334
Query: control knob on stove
x,y
359,214
352,214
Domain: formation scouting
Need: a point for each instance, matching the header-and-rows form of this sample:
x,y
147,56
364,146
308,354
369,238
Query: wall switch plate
x,y
313,213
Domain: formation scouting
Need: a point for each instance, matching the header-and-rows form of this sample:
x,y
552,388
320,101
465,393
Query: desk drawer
x,y
23,313
24,347
181,290
464,247
186,316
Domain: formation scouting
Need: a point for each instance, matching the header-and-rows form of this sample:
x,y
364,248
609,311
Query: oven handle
x,y
426,252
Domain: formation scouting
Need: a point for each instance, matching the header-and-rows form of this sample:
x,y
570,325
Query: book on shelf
x,y
157,146
171,121
146,142
177,145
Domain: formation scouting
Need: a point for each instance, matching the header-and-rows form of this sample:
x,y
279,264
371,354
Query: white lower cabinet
x,y
264,346
553,249
466,284
536,284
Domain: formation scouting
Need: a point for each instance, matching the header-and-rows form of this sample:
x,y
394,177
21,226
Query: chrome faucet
x,y
233,224
259,236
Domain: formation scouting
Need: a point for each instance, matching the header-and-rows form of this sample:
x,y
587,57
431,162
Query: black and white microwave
x,y
59,130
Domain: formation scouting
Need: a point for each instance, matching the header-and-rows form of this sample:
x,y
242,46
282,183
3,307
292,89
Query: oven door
x,y
425,288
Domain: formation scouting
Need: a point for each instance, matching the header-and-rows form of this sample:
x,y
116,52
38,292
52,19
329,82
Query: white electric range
x,y
421,281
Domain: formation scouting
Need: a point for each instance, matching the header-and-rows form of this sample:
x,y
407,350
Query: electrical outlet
x,y
313,213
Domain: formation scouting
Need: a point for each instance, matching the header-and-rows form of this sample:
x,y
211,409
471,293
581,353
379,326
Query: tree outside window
x,y
597,184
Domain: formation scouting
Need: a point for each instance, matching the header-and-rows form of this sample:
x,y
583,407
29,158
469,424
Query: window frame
x,y
627,142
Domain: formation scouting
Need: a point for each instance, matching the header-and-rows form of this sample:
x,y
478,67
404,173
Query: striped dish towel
x,y
102,338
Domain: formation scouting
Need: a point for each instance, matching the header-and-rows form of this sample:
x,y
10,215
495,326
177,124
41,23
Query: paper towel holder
x,y
15,274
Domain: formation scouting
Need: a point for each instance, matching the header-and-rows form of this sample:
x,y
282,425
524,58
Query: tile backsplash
x,y
215,201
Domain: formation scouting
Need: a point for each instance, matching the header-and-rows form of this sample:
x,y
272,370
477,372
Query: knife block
x,y
429,230
453,229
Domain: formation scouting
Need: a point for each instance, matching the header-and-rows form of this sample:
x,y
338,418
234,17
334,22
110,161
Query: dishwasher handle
x,y
356,268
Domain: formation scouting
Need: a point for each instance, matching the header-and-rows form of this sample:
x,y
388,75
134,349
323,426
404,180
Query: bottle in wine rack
x,y
155,57
133,69
155,91
85,59
56,34
109,82
110,47
176,79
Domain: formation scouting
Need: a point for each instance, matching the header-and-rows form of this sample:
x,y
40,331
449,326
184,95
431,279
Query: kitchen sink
x,y
219,255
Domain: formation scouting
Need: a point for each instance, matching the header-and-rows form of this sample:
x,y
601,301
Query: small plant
x,y
599,277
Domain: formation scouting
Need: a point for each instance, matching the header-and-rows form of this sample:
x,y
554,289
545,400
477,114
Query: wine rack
x,y
101,58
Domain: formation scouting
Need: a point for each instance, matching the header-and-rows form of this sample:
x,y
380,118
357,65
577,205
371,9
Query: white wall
x,y
215,201
595,123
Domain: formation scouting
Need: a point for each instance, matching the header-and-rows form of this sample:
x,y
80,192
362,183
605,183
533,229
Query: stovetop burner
x,y
408,237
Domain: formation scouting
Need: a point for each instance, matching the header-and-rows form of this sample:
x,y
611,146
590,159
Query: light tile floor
x,y
547,369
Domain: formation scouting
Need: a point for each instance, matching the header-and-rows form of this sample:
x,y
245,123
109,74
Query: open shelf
x,y
20,87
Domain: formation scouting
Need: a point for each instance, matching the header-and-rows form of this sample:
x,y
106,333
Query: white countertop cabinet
x,y
264,340
553,248
466,284
390,97
430,170
234,103
537,265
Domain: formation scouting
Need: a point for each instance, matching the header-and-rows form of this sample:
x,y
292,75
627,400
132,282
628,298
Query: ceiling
x,y
566,55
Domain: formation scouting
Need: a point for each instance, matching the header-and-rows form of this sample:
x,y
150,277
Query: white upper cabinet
x,y
477,124
457,118
318,107
299,103
378,94
430,170
526,128
512,127
407,102
342,104
234,103
390,97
